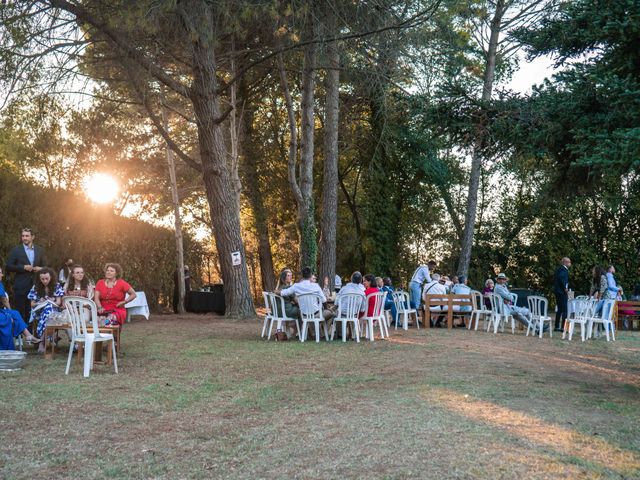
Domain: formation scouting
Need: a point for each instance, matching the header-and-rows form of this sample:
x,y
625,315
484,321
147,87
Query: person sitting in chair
x,y
11,323
437,286
521,314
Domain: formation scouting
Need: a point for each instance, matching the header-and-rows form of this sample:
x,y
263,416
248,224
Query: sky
x,y
531,73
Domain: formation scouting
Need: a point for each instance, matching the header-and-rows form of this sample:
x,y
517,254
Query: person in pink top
x,y
111,295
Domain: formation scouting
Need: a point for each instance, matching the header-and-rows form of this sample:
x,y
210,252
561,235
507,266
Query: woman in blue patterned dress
x,y
46,298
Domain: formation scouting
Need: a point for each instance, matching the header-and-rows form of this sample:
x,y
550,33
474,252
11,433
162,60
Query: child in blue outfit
x,y
11,323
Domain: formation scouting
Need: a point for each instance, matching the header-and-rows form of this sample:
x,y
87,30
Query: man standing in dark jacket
x,y
561,291
24,261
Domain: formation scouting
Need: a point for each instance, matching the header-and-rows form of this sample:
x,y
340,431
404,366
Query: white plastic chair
x,y
348,308
582,310
478,309
538,306
76,308
498,316
606,319
311,312
378,315
402,301
276,304
267,316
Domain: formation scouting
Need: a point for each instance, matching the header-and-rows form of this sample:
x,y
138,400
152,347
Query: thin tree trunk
x,y
250,177
476,157
306,211
303,189
177,220
330,178
221,181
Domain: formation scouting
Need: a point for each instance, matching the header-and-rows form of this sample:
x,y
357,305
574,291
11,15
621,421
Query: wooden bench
x,y
51,330
619,314
450,301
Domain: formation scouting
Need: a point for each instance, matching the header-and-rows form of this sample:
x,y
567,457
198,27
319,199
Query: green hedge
x,y
68,226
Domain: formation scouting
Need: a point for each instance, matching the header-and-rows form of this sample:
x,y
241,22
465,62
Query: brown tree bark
x,y
476,157
254,194
302,183
330,177
222,184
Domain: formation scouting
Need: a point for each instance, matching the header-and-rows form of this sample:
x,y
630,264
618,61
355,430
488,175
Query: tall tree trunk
x,y
306,210
250,177
476,157
303,189
330,178
221,181
177,220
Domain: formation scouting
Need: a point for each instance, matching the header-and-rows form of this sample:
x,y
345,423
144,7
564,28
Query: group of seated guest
x,y
110,294
359,285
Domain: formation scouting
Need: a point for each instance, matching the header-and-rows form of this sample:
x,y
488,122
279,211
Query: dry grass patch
x,y
199,397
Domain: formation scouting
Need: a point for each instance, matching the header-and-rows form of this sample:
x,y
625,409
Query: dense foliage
x,y
68,226
559,165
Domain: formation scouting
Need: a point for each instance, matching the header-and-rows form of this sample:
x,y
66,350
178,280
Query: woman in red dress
x,y
112,294
370,286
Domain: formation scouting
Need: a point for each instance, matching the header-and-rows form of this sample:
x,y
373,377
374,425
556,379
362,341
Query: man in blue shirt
x,y
421,276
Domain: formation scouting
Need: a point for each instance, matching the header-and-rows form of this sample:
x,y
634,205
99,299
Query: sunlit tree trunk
x,y
222,184
251,156
177,220
476,157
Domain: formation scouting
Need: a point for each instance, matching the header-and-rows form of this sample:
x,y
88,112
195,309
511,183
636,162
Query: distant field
x,y
200,397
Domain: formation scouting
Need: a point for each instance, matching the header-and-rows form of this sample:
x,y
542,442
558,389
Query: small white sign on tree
x,y
236,258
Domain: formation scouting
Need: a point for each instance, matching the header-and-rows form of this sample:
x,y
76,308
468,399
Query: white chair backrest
x,y
580,308
276,303
496,303
75,307
310,305
349,305
267,306
538,305
476,300
607,309
378,307
514,298
402,301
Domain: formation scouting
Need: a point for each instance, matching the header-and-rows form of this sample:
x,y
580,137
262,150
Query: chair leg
x,y
326,331
357,330
115,357
66,372
344,331
303,335
317,327
88,357
264,327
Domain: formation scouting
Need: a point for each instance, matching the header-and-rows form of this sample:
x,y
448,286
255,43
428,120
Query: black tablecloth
x,y
203,302
523,294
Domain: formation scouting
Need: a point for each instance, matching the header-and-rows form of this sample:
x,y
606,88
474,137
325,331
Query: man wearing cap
x,y
522,315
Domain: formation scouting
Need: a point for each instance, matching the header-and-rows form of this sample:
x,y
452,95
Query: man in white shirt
x,y
421,275
304,286
337,283
436,287
354,287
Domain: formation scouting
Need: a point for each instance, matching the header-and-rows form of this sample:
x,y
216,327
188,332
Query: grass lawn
x,y
200,397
